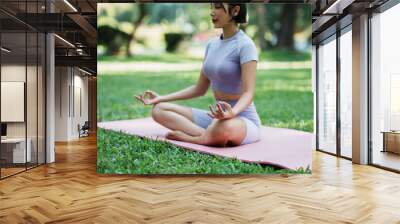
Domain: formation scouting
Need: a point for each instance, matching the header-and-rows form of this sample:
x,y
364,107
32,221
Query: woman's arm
x,y
248,71
191,92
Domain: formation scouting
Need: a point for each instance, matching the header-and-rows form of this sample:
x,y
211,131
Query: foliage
x,y
111,37
173,40
192,18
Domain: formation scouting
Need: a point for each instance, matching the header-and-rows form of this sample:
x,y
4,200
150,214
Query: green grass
x,y
283,99
269,55
284,55
165,57
124,154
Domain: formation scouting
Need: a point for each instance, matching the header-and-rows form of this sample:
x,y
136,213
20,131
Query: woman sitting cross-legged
x,y
229,65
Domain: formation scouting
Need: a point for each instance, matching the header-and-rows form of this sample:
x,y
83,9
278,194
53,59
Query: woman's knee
x,y
157,110
222,129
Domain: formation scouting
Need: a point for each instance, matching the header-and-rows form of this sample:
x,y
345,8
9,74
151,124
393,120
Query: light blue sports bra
x,y
223,58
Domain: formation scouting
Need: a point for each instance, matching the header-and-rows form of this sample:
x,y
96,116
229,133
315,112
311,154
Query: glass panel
x,y
346,93
327,96
31,97
23,82
386,89
41,57
41,99
32,89
14,153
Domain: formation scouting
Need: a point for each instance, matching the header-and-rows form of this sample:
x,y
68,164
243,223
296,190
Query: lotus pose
x,y
229,65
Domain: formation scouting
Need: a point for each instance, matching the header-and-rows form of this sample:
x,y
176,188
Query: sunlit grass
x,y
268,55
283,99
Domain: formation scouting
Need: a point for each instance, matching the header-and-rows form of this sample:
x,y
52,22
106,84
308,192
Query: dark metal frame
x,y
316,97
338,98
369,90
44,72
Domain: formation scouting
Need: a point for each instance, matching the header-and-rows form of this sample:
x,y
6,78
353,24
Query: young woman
x,y
230,67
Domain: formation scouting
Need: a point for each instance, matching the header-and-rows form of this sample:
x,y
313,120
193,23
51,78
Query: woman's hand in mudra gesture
x,y
148,97
221,110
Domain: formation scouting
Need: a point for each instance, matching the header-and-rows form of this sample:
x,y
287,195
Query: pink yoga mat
x,y
285,148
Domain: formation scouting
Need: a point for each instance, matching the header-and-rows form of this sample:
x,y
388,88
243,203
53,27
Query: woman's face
x,y
220,17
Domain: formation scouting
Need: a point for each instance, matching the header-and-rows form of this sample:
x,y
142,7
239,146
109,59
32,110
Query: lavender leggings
x,y
249,116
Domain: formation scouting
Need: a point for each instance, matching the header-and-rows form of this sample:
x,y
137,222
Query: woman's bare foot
x,y
176,135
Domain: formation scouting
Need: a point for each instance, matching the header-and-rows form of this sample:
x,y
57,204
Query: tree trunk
x,y
287,28
261,25
136,24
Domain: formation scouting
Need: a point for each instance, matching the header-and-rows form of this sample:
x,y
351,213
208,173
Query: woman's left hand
x,y
221,110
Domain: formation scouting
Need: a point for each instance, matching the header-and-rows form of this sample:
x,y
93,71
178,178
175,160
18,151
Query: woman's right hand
x,y
149,97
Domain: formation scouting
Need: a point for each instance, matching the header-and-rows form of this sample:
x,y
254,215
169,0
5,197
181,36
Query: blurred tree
x,y
112,38
287,27
271,25
277,24
304,17
142,13
123,18
261,26
166,12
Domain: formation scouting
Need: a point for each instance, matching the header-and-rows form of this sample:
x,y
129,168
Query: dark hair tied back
x,y
241,16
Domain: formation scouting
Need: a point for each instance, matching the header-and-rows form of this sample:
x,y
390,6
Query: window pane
x,y
346,93
386,88
327,96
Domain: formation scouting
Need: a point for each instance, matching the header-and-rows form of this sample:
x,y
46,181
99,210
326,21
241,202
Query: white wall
x,y
62,80
70,83
33,126
14,73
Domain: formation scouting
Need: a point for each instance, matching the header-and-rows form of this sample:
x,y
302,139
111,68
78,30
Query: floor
x,y
388,159
70,191
8,171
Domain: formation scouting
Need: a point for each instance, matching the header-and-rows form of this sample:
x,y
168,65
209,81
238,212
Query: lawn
x,y
283,99
275,55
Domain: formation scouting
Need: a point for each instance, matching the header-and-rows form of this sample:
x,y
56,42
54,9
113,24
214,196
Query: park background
x,y
160,46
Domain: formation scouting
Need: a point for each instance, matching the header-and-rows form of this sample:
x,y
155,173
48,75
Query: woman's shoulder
x,y
245,39
247,49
